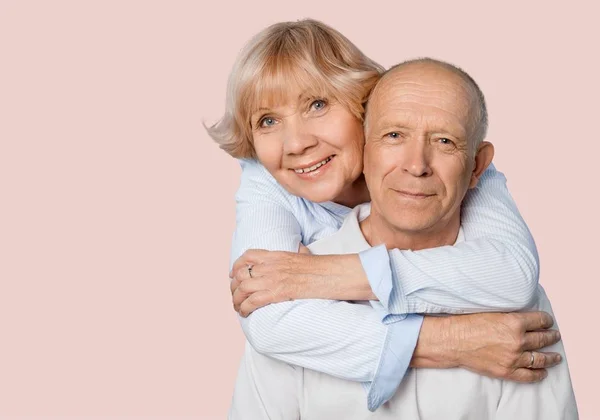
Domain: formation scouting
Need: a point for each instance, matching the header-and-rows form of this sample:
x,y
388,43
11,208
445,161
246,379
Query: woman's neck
x,y
355,194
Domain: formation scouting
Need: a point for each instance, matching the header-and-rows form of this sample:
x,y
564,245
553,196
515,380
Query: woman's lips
x,y
316,172
312,166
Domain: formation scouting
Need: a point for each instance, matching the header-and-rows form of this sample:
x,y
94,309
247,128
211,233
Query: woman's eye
x,y
267,122
318,105
393,135
444,140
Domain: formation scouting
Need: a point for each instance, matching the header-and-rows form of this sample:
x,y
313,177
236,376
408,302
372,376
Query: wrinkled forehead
x,y
413,97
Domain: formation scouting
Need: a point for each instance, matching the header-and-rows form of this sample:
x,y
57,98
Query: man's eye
x,y
318,105
393,135
267,122
444,140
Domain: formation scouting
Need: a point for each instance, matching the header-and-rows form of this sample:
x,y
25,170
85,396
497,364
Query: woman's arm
x,y
338,338
495,269
497,345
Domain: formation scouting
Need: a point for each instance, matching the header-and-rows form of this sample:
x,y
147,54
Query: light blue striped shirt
x,y
495,269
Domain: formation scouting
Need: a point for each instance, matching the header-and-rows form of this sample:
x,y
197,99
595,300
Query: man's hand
x,y
498,345
277,276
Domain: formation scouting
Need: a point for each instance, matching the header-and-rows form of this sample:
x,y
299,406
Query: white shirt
x,y
269,389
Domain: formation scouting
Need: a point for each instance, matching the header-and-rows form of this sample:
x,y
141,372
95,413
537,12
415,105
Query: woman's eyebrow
x,y
259,111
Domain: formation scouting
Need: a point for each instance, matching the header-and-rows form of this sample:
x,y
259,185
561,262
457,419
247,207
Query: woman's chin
x,y
319,194
315,190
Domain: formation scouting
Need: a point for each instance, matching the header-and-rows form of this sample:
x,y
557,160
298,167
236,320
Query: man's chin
x,y
413,226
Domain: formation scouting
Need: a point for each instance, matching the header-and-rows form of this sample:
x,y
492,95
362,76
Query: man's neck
x,y
377,231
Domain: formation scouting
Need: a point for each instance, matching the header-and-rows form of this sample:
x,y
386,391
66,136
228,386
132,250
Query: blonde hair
x,y
308,54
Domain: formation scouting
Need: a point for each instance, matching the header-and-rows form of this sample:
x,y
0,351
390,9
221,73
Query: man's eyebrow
x,y
455,131
450,129
388,124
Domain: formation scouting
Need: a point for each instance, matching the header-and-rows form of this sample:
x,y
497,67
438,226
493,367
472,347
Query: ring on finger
x,y
531,362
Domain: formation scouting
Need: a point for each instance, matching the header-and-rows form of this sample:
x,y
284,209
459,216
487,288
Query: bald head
x,y
439,81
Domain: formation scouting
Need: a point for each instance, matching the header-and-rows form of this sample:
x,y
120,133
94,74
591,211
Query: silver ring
x,y
532,360
250,271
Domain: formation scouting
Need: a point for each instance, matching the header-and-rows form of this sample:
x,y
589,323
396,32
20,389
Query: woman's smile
x,y
314,170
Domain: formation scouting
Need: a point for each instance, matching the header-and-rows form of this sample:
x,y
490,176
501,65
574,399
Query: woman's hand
x,y
262,277
498,345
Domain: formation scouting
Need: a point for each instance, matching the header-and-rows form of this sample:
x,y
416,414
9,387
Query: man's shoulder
x,y
348,239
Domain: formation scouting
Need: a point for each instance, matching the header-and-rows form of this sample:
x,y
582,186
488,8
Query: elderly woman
x,y
294,110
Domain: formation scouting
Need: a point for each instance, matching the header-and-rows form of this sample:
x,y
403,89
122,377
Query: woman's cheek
x,y
270,157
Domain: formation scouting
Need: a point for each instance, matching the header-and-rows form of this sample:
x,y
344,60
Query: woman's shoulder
x,y
258,185
257,179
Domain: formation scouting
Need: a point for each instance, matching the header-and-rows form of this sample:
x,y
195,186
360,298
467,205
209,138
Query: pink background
x,y
116,209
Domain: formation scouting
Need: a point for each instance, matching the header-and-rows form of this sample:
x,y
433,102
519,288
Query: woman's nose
x,y
298,139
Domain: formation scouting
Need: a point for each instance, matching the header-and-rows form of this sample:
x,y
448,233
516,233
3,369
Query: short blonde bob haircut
x,y
307,55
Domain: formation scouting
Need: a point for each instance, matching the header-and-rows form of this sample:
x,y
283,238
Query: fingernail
x,y
557,358
557,335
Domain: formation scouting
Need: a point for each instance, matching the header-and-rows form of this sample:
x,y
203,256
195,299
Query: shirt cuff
x,y
398,348
376,263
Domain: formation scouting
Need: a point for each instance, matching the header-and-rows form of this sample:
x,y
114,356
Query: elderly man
x,y
425,125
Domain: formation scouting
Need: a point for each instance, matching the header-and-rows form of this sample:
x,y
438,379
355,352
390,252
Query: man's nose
x,y
415,158
298,138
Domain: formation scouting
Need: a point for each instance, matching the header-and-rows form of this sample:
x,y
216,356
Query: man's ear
x,y
483,158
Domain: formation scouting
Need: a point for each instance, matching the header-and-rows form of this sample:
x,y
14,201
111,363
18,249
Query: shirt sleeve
x,y
496,268
264,216
342,339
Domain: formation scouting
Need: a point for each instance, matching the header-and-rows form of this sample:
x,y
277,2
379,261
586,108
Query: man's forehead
x,y
429,84
409,95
